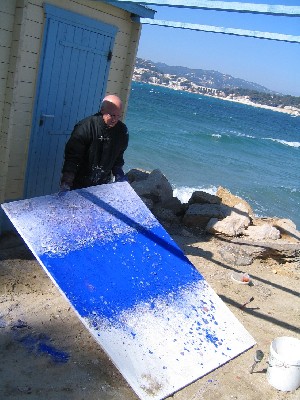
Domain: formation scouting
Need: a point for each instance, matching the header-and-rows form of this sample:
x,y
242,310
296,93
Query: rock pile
x,y
243,236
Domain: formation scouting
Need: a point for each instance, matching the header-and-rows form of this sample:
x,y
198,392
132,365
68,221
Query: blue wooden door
x,y
73,75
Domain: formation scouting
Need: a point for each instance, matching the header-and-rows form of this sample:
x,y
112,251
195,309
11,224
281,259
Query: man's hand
x,y
64,187
119,174
66,181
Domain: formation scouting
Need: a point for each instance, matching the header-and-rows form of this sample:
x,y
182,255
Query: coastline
x,y
294,112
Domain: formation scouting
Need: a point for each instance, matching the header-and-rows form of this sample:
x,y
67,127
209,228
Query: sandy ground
x,y
46,353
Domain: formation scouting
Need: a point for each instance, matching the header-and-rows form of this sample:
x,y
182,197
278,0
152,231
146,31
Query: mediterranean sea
x,y
200,143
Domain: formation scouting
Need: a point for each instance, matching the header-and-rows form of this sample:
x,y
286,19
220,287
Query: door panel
x,y
73,77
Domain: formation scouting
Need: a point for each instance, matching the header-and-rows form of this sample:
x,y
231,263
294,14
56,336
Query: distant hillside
x,y
212,83
201,77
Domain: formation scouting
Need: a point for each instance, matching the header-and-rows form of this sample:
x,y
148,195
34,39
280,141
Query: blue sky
x,y
273,64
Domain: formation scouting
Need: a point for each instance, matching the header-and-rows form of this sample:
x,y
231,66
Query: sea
x,y
200,143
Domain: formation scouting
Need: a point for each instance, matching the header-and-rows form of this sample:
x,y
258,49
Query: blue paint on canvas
x,y
135,275
141,264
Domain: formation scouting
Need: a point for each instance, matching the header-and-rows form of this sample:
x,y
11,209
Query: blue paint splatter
x,y
56,355
39,344
212,338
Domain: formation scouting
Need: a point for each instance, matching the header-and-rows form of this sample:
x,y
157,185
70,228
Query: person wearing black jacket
x,y
95,151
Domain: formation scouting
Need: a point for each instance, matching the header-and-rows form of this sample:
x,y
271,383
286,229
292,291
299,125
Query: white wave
x,y
284,142
184,193
245,135
216,135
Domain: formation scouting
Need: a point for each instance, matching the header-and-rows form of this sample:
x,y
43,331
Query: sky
x,y
273,64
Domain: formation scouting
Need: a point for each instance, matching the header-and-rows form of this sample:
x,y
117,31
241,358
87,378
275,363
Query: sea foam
x,y
285,142
184,193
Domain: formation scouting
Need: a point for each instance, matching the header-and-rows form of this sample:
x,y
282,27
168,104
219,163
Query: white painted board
x,y
130,284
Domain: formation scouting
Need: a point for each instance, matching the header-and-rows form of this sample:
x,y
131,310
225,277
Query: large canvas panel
x,y
136,292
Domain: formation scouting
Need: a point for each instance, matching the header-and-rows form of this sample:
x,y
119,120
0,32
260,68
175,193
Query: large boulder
x,y
232,225
148,203
136,175
174,204
204,198
287,228
240,254
278,249
262,232
165,215
155,187
198,215
231,200
243,252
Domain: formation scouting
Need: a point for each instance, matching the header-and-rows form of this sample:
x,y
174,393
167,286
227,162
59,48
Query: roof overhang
x,y
230,6
134,8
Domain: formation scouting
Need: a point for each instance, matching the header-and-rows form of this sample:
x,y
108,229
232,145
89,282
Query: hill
x,y
212,83
213,79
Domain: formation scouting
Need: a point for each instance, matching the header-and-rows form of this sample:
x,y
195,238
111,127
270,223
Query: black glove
x,y
119,174
66,181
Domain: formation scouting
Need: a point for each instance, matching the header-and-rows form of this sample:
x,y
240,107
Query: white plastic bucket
x,y
284,364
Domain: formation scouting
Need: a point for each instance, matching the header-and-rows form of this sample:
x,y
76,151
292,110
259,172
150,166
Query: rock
x,y
278,249
263,232
156,187
204,197
175,205
223,215
186,233
238,254
136,175
287,229
232,225
198,215
230,200
241,252
286,224
148,202
163,214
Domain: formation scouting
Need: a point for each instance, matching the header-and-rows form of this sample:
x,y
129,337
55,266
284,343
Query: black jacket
x,y
94,150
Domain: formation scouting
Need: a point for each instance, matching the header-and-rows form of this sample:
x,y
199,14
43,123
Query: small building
x,y
58,59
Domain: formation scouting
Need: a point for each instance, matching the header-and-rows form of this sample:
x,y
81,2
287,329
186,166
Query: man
x,y
96,148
